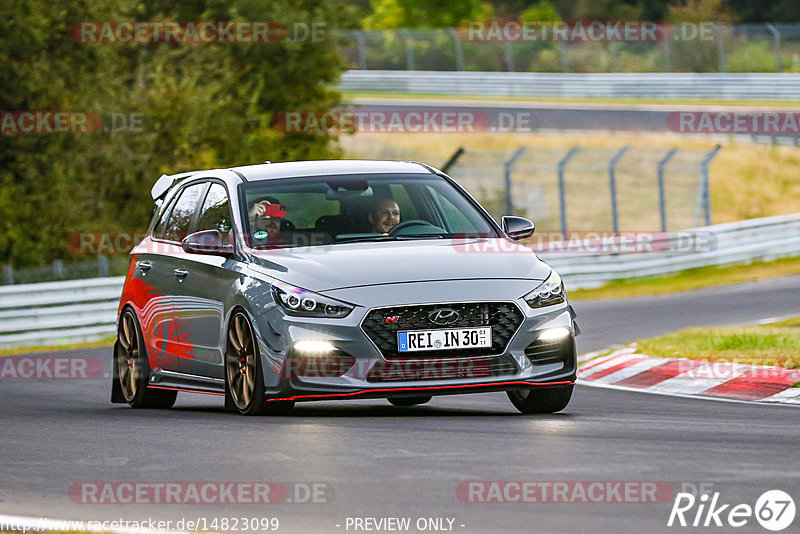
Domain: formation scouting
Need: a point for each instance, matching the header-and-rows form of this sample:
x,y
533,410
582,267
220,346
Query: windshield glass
x,y
324,210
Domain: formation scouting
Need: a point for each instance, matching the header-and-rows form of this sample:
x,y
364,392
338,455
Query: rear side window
x,y
177,222
216,212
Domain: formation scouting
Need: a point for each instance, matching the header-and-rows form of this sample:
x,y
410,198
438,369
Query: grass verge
x,y
691,279
775,344
107,342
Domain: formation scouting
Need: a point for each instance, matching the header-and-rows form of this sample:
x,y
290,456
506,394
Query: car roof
x,y
291,169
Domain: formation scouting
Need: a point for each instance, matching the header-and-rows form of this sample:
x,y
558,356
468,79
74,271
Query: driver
x,y
384,215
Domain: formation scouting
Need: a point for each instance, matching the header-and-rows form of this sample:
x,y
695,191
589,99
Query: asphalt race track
x,y
382,461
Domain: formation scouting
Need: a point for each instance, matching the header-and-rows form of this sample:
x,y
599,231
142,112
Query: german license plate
x,y
451,338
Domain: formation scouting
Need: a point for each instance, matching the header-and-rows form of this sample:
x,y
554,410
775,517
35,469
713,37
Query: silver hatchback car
x,y
276,283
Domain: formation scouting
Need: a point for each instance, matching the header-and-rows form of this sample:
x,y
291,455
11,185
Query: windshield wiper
x,y
405,237
402,237
367,238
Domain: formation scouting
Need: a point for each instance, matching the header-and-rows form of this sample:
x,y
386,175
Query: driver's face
x,y
385,216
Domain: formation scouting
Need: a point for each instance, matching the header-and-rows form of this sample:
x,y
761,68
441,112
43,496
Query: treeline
x,y
385,14
165,107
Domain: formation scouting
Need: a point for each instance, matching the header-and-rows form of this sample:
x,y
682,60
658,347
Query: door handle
x,y
144,266
181,274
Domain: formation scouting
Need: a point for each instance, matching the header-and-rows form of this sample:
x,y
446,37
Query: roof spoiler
x,y
165,183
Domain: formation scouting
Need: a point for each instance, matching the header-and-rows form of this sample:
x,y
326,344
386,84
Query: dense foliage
x,y
200,105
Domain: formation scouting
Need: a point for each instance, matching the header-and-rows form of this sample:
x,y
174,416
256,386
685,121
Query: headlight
x,y
303,303
550,292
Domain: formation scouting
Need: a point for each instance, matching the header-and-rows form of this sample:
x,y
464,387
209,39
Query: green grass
x,y
691,279
108,342
775,344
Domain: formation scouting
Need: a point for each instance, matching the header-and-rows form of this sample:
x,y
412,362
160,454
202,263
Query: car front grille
x,y
381,326
441,369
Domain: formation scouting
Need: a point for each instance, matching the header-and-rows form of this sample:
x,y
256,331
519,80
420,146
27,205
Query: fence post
x,y
509,56
453,159
613,49
362,56
562,187
667,56
8,275
612,185
777,35
704,197
662,199
102,265
409,52
58,269
562,53
507,167
720,47
458,49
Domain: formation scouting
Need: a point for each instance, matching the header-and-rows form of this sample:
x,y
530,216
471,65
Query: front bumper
x,y
510,369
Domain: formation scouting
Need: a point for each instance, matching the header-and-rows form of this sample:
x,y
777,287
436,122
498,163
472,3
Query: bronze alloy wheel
x,y
128,363
132,370
240,362
244,378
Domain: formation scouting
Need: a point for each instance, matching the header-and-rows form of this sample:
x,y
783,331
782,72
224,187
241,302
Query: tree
x,y
201,105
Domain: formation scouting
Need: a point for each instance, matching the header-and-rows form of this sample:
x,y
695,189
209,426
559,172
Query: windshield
x,y
325,210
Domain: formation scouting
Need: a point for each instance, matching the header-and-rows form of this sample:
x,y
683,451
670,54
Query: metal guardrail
x,y
766,238
54,313
678,85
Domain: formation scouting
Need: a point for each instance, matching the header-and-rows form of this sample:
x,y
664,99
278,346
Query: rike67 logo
x,y
774,510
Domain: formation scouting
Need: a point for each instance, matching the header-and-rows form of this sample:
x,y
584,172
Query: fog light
x,y
314,347
554,334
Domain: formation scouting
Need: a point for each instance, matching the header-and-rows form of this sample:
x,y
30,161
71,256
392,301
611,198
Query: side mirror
x,y
208,242
517,227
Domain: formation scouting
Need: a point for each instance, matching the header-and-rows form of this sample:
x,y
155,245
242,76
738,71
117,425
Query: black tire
x,y
541,399
244,376
409,401
132,368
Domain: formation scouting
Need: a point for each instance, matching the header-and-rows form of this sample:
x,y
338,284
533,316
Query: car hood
x,y
348,265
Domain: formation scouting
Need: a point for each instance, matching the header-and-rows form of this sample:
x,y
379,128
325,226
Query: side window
x,y
216,212
158,231
177,224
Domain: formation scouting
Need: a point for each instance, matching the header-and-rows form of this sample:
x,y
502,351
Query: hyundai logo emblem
x,y
443,316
